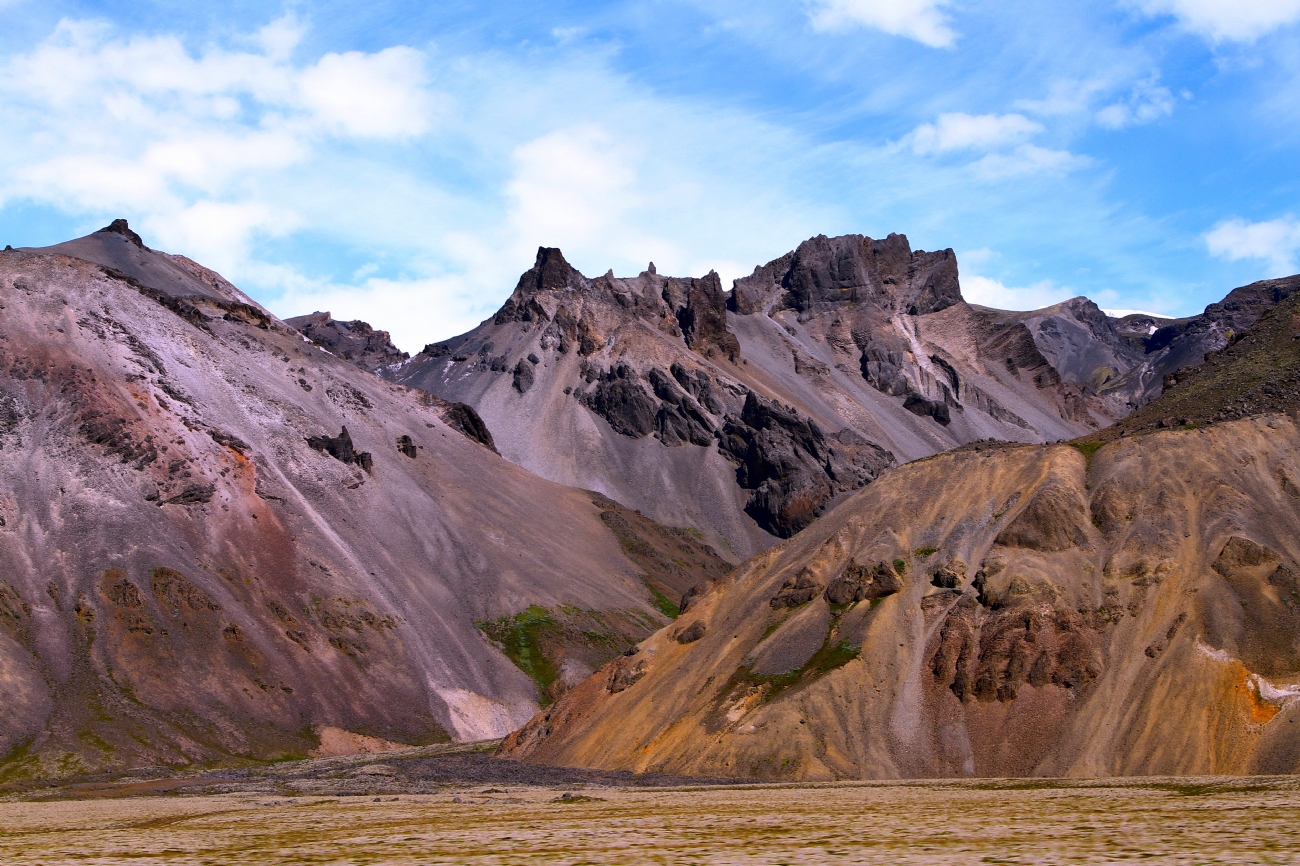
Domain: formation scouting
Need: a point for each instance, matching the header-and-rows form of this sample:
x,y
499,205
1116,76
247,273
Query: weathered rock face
x,y
1259,371
1119,595
625,386
791,466
1041,611
896,318
353,341
217,539
853,269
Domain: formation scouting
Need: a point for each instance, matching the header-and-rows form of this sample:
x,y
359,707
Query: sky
x,y
400,162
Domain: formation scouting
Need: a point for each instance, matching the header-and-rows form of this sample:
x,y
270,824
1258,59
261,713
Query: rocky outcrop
x,y
985,656
700,308
852,269
353,341
864,583
463,418
340,448
792,467
619,397
120,227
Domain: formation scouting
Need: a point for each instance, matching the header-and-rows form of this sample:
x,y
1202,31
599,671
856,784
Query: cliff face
x,y
995,611
218,540
824,272
834,361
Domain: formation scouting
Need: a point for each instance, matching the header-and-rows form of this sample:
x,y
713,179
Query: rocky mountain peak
x,y
120,227
550,272
825,271
1091,316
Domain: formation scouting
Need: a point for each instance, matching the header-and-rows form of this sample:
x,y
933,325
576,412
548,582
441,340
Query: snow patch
x,y
1274,694
1217,654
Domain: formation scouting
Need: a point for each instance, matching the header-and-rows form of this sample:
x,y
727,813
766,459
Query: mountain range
x,y
811,527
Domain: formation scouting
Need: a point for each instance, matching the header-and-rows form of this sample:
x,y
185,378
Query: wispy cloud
x,y
1226,20
1029,159
958,131
921,20
1145,102
216,152
1276,242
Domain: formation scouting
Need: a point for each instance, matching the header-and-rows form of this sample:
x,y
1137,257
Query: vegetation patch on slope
x,y
834,653
557,647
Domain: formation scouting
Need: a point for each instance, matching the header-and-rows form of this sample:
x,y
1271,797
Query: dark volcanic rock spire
x,y
119,227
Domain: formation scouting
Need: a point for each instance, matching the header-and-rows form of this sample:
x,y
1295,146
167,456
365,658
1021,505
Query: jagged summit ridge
x,y
689,308
354,341
823,271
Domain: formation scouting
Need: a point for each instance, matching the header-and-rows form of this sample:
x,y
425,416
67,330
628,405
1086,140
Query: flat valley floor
x,y
1208,820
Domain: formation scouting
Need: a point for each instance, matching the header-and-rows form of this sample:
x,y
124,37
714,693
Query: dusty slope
x,y
184,576
1134,613
638,387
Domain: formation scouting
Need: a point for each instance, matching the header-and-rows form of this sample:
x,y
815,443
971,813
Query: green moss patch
x,y
664,605
1087,449
521,637
539,640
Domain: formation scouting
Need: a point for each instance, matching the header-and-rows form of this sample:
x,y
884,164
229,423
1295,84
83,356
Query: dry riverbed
x,y
369,813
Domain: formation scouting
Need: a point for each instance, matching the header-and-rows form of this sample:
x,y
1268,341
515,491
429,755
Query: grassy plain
x,y
1218,820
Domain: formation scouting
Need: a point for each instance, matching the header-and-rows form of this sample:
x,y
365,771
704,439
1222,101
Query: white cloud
x,y
1028,159
211,152
989,292
263,162
1276,242
572,187
414,312
922,20
1226,20
1146,102
958,131
369,95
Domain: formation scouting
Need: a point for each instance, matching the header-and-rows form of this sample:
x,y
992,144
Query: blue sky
x,y
401,162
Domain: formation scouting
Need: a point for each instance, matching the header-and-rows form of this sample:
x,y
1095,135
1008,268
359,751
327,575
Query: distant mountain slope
x,y
833,362
218,540
1257,372
1125,361
1129,605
